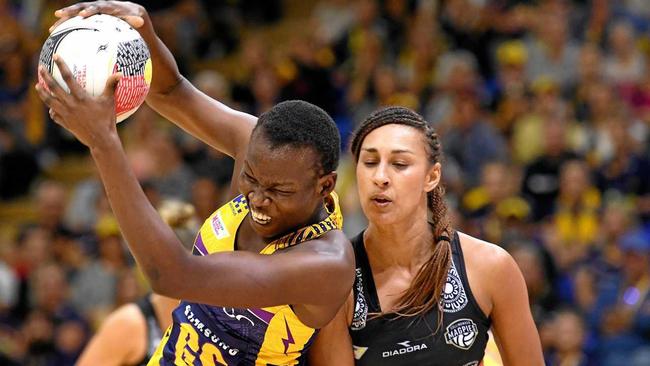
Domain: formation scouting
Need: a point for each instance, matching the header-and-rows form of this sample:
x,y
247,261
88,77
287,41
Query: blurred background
x,y
543,108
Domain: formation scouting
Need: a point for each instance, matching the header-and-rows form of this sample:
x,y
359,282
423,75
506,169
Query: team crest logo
x,y
238,205
472,363
360,305
454,297
461,333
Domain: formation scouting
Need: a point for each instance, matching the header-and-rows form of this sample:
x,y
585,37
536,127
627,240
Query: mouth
x,y
260,218
381,200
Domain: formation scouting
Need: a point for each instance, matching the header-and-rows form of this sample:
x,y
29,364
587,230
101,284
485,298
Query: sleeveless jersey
x,y
212,335
391,340
154,334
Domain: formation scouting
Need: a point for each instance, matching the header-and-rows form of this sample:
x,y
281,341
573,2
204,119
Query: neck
x,y
319,215
404,244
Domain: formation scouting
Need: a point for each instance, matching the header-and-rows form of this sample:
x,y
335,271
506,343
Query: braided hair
x,y
425,291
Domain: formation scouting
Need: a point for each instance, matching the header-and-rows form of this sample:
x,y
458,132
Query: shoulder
x,y
488,253
333,242
108,344
332,252
494,266
484,254
128,317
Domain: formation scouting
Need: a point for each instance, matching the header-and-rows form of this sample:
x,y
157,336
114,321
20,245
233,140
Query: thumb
x,y
111,84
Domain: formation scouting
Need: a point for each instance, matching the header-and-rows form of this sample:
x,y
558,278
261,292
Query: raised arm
x,y
171,95
237,279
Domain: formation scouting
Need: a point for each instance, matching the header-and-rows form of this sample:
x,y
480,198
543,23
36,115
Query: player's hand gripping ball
x,y
96,47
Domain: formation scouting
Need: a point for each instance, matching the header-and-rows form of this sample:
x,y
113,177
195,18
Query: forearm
x,y
166,73
154,245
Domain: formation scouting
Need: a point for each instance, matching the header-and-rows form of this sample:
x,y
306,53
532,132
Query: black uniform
x,y
388,340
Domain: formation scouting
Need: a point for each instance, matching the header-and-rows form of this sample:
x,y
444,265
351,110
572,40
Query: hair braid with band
x,y
425,291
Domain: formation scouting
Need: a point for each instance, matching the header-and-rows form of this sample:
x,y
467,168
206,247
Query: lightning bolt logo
x,y
289,339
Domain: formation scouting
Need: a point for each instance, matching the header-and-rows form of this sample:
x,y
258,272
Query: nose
x,y
380,176
257,198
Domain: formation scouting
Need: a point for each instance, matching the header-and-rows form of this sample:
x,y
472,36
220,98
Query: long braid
x,y
425,292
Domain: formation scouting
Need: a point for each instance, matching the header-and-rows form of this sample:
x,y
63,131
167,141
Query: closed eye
x,y
249,178
282,193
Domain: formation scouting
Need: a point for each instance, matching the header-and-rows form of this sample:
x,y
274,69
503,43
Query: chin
x,y
264,231
381,218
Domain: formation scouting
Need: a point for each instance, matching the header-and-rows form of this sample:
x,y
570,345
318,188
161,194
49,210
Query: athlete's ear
x,y
433,177
326,183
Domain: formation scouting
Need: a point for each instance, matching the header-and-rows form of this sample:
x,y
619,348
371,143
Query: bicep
x,y
333,345
515,331
211,121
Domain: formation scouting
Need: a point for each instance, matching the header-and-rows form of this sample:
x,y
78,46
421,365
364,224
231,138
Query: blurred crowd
x,y
543,108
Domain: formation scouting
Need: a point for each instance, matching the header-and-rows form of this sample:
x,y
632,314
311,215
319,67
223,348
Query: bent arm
x,y
333,345
513,325
237,279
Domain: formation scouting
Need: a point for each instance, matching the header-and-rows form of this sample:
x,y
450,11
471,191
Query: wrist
x,y
147,31
107,145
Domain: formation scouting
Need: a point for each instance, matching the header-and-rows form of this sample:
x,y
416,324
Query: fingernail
x,y
57,13
55,57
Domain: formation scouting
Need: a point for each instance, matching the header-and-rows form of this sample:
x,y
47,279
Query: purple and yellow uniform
x,y
213,335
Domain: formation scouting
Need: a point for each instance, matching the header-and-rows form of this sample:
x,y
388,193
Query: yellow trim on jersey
x,y
285,335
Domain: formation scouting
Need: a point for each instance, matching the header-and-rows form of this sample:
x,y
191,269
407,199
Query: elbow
x,y
168,280
162,93
160,287
166,286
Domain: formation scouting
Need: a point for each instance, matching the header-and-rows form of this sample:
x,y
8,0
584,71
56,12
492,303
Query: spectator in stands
x,y
622,310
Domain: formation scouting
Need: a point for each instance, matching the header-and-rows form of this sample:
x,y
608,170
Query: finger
x,y
109,7
75,89
91,10
111,85
49,99
51,84
45,96
82,9
133,20
70,11
56,117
